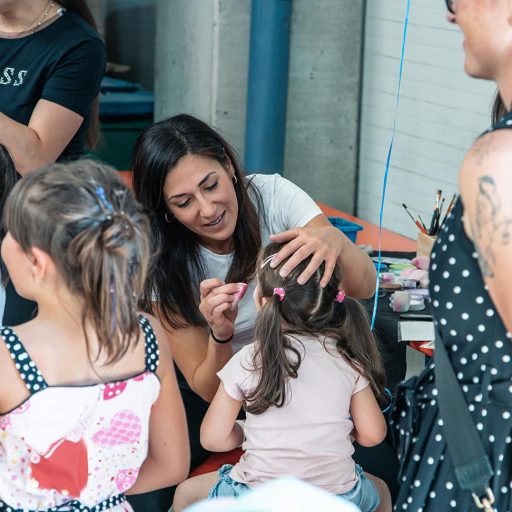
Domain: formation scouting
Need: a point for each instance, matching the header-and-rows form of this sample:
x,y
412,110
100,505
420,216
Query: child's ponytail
x,y
357,343
273,361
108,255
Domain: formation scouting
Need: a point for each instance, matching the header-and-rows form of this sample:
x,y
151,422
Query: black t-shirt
x,y
63,63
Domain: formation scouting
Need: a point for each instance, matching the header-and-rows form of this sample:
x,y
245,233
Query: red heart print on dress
x,y
64,468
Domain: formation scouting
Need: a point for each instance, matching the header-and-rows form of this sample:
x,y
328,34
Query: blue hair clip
x,y
104,202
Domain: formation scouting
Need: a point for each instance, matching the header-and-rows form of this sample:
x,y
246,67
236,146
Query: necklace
x,y
34,25
42,18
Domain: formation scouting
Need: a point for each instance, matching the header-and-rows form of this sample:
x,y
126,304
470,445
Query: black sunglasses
x,y
450,5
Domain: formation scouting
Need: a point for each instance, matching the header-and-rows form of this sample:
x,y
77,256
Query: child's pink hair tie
x,y
280,293
340,296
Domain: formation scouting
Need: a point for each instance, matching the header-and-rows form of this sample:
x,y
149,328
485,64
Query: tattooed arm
x,y
486,191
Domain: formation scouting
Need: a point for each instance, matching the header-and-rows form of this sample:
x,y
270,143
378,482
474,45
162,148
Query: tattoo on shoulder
x,y
482,148
492,225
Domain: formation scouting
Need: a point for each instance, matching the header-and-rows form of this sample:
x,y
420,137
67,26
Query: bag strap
x,y
472,467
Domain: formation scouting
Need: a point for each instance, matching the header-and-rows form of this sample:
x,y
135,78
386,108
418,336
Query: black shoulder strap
x,y
152,358
27,369
503,123
472,467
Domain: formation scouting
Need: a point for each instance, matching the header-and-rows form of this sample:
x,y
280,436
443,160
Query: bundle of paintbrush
x,y
435,223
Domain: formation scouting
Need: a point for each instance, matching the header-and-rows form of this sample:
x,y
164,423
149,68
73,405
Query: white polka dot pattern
x,y
27,370
474,336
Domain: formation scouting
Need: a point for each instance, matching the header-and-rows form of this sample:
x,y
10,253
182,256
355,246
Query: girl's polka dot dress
x,y
75,448
480,351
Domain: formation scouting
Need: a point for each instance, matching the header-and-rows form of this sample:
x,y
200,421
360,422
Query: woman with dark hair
x,y
51,65
209,222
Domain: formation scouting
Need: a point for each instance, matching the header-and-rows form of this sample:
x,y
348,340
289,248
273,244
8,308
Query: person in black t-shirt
x,y
51,65
52,61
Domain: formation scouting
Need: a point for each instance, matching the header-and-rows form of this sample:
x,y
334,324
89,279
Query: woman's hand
x,y
219,305
324,243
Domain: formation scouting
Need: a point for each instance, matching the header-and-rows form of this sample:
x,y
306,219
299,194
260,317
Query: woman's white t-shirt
x,y
285,206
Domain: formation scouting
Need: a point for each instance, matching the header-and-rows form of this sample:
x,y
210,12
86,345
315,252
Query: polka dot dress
x,y
480,350
75,447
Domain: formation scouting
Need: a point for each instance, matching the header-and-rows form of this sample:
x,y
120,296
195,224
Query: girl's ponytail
x,y
273,362
107,254
357,343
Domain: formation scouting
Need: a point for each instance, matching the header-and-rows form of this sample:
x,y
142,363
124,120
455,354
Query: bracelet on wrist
x,y
214,338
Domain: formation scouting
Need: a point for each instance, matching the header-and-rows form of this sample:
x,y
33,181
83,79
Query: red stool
x,y
217,460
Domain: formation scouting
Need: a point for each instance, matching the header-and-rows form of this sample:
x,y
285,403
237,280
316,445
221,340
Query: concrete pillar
x,y
201,62
323,99
201,68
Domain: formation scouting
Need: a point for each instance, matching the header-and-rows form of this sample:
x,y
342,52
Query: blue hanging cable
x,y
388,159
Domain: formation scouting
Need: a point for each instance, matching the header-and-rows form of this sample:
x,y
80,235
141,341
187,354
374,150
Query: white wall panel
x,y
440,113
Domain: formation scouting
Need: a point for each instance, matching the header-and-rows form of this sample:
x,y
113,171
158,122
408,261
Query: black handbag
x,y
472,467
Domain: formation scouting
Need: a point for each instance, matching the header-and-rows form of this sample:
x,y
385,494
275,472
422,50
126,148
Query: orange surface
x,y
391,241
417,345
127,177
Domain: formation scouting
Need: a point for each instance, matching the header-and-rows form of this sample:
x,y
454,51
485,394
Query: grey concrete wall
x,y
130,37
323,99
201,62
201,68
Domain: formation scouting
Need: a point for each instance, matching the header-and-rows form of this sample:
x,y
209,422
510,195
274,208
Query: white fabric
x,y
309,436
88,426
283,495
285,206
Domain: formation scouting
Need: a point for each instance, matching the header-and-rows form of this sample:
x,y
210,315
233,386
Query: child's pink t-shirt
x,y
309,437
